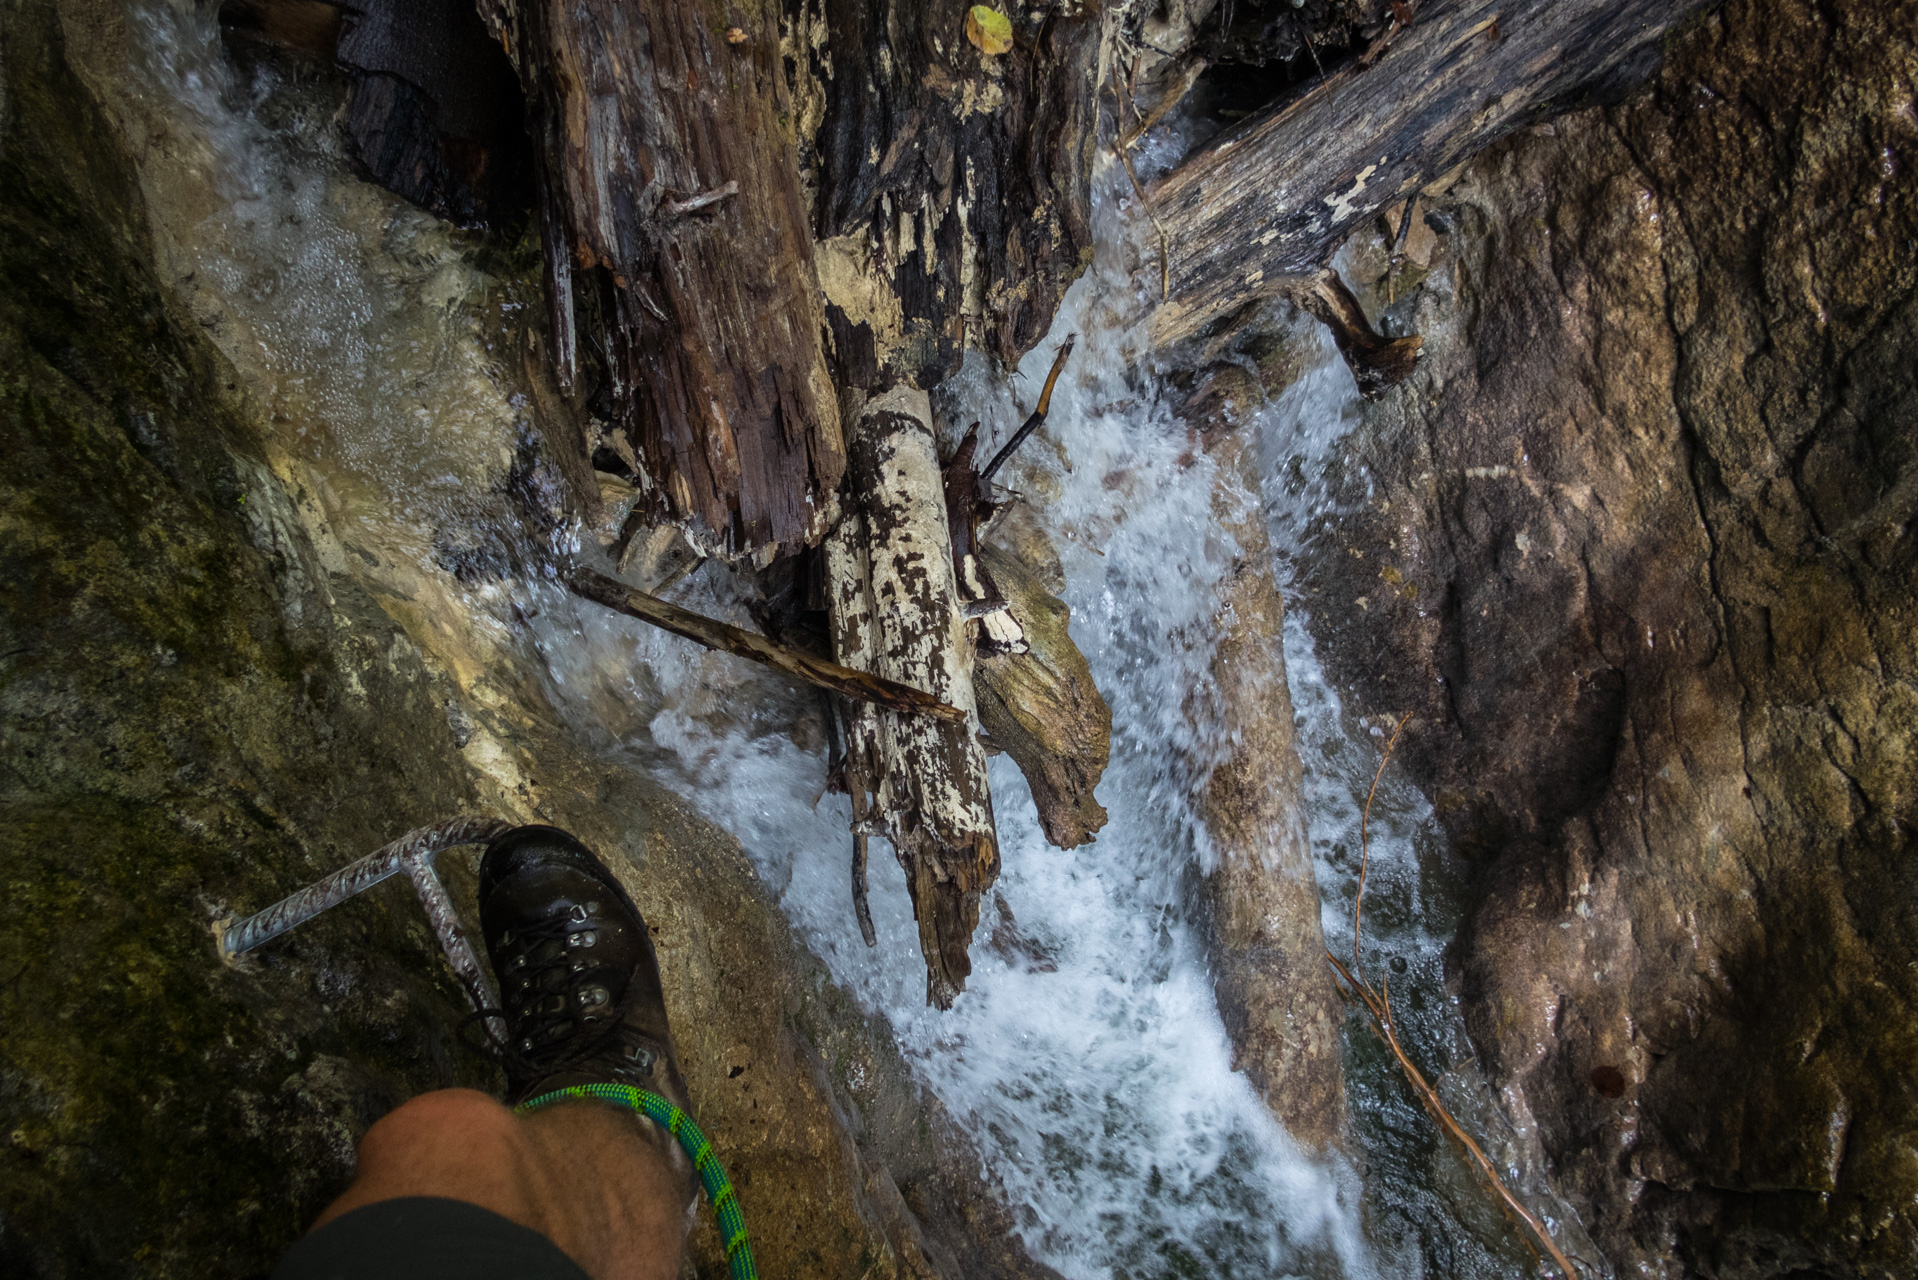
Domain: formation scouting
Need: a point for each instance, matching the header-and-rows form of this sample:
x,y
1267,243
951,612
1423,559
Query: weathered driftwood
x,y
865,686
1271,200
1042,708
677,243
1376,362
896,612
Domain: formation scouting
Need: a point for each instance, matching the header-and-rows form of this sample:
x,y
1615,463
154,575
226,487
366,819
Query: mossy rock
x,y
175,744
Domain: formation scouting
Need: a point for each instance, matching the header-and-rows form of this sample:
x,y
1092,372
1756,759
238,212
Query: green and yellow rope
x,y
712,1175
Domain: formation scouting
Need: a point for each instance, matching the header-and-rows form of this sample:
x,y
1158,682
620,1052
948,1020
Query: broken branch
x,y
845,681
1038,416
1377,1002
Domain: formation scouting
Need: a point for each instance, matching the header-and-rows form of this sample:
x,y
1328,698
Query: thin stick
x,y
1038,414
862,685
1365,846
1165,245
1122,146
1378,1003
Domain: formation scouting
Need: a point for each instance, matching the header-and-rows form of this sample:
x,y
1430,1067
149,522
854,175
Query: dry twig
x,y
1377,1002
1122,147
830,676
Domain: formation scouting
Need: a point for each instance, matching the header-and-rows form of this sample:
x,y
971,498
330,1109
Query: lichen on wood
x,y
896,612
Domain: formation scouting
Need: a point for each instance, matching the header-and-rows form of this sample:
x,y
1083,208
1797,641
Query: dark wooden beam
x,y
678,243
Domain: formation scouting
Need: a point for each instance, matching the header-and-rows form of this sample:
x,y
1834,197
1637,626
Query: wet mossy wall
x,y
188,724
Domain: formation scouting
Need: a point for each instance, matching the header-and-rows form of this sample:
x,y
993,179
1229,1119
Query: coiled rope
x,y
712,1175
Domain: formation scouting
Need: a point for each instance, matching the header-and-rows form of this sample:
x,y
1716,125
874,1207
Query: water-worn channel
x,y
1088,1056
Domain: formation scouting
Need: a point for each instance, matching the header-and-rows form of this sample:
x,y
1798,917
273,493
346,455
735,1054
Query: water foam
x,y
1087,1055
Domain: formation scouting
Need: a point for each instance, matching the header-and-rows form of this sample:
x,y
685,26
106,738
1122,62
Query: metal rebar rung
x,y
413,854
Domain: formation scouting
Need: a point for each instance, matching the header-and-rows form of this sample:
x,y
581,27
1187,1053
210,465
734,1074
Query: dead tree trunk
x,y
1270,201
952,189
919,781
677,238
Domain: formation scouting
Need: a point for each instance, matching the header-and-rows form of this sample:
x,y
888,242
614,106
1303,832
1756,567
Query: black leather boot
x,y
578,980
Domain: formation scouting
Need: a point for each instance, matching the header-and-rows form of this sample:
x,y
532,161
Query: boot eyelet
x,y
591,997
584,938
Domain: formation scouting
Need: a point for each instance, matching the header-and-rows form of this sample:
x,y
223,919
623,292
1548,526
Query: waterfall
x,y
1087,1057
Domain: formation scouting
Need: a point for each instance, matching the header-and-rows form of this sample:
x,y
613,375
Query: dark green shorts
x,y
425,1238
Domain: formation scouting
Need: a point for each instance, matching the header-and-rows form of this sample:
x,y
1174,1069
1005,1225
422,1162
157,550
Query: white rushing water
x,y
1098,1078
1088,1057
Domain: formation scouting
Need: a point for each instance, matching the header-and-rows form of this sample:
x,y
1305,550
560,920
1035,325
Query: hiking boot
x,y
574,962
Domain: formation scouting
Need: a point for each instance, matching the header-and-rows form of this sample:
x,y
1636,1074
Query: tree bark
x,y
1273,199
951,188
676,231
1040,706
896,613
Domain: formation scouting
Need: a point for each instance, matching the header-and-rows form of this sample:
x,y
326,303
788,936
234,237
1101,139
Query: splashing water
x,y
1087,1056
1088,1059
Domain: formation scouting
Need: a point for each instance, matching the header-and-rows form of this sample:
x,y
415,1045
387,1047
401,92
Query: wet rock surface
x,y
232,664
1633,549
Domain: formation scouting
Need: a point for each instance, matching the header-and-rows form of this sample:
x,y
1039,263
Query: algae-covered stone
x,y
171,745
225,670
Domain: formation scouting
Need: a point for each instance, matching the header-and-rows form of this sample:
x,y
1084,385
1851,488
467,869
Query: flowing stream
x,y
1087,1054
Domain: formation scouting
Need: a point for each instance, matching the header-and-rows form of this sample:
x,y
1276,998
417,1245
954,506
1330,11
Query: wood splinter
x,y
969,504
845,681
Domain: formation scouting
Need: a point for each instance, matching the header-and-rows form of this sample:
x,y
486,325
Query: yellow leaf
x,y
989,29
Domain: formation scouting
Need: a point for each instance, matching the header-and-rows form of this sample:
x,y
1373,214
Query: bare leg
x,y
598,1182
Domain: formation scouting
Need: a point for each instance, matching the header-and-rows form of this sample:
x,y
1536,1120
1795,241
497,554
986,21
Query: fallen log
x,y
1260,896
896,612
952,186
678,246
863,686
1271,200
1040,706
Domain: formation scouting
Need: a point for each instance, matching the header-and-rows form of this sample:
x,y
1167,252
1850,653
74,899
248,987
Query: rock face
x,y
228,670
1633,547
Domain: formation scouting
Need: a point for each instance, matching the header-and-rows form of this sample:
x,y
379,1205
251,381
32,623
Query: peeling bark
x,y
675,227
896,613
951,188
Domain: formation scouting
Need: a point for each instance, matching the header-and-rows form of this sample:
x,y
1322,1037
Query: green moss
x,y
174,745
